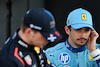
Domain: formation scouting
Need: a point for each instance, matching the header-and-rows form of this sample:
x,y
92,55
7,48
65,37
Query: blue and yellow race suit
x,y
64,55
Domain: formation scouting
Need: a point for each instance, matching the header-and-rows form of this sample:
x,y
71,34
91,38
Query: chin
x,y
41,46
80,44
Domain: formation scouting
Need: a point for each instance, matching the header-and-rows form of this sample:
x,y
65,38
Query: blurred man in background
x,y
37,30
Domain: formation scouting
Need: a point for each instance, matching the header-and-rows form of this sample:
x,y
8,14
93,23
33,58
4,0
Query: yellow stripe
x,y
37,49
90,58
48,62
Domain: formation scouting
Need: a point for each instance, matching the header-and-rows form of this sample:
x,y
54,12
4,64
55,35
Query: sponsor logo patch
x,y
23,44
28,60
66,66
20,54
64,58
84,17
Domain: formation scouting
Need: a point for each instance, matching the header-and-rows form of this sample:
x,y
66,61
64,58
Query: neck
x,y
23,36
73,49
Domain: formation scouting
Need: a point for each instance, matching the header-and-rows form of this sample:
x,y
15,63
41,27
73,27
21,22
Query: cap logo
x,y
52,24
84,17
28,12
68,21
35,27
52,38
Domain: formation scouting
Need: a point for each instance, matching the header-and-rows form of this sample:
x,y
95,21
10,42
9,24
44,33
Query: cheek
x,y
36,41
87,36
39,38
74,35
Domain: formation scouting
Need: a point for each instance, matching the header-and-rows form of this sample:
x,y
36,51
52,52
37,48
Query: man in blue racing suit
x,y
79,50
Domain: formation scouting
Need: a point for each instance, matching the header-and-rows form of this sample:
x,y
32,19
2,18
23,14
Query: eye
x,y
78,29
87,29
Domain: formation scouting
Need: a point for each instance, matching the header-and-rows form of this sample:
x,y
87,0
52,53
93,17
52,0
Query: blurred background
x,y
12,11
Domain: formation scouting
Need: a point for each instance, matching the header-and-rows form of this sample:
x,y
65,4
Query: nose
x,y
83,34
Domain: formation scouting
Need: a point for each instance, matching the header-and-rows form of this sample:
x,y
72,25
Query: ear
x,y
28,31
67,30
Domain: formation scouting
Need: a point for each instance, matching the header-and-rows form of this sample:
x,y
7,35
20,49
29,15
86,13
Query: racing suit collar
x,y
21,43
83,48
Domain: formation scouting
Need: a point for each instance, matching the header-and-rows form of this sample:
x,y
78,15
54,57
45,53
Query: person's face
x,y
79,37
37,39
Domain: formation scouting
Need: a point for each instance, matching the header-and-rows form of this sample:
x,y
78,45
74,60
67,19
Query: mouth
x,y
82,40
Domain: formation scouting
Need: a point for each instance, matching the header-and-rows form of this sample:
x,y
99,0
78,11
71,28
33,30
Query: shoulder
x,y
55,48
53,52
7,63
7,50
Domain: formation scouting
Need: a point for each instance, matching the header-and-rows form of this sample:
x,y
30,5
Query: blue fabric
x,y
61,56
75,49
80,18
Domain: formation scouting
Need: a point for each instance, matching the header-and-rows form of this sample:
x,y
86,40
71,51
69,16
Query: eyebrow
x,y
84,27
87,28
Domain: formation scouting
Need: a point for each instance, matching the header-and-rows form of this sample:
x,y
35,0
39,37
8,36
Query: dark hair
x,y
23,27
69,28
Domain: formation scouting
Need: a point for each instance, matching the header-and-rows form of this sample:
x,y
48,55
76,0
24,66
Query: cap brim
x,y
79,26
52,36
